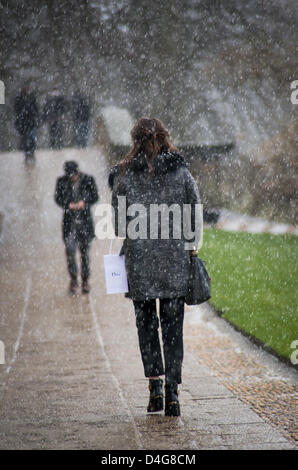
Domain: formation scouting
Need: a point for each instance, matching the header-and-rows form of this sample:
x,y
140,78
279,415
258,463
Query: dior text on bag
x,y
115,273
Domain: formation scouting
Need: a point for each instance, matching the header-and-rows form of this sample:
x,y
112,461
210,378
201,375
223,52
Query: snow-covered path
x,y
72,377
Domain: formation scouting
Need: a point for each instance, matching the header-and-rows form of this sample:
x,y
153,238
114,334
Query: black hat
x,y
71,168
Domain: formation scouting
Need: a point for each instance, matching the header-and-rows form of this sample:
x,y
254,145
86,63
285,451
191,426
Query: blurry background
x,y
216,72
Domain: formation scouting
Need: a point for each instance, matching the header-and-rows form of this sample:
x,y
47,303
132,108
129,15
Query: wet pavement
x,y
73,377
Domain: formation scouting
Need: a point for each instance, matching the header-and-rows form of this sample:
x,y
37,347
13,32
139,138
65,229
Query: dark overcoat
x,y
156,267
27,115
80,220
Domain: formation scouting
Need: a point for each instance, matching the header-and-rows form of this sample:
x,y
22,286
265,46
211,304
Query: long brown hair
x,y
150,137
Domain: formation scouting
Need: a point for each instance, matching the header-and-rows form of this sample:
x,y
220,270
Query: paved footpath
x,y
73,378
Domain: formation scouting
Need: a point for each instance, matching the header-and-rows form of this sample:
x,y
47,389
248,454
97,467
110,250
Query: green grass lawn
x,y
254,283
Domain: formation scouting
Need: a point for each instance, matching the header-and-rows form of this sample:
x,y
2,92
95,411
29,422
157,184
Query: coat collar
x,y
162,164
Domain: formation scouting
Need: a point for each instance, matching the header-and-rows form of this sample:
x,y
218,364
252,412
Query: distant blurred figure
x,y
75,193
56,105
27,121
81,117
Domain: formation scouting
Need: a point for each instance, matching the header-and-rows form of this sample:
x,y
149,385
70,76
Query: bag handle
x,y
110,250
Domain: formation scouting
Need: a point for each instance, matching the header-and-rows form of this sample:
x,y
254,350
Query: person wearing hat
x,y
75,193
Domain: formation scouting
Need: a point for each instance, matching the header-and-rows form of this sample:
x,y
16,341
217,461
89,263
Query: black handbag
x,y
199,281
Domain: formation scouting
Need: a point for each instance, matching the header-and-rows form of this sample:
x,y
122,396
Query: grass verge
x,y
254,284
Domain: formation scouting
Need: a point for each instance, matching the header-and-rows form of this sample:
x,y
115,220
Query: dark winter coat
x,y
80,109
27,114
80,220
54,108
156,268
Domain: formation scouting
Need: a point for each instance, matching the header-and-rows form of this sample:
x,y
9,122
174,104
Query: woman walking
x,y
154,175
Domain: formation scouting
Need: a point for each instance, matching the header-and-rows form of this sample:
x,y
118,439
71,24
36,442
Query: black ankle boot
x,y
156,396
172,406
73,285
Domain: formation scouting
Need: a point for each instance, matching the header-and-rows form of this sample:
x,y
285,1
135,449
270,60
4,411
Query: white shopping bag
x,y
115,274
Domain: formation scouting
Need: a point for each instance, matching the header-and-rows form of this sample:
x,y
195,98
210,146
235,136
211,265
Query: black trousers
x,y
171,318
71,244
28,141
